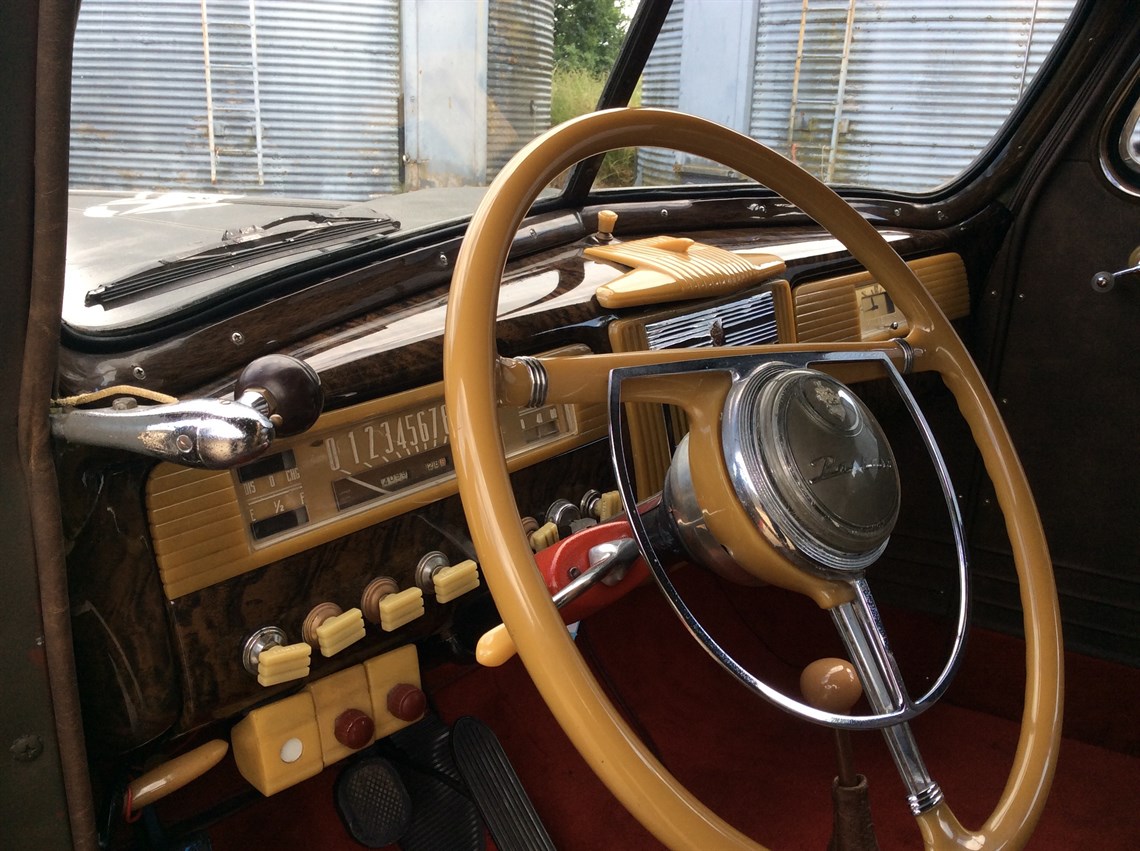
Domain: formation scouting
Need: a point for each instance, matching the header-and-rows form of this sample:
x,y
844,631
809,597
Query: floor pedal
x,y
373,803
506,809
443,815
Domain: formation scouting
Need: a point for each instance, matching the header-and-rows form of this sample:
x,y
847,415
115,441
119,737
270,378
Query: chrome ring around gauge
x,y
812,467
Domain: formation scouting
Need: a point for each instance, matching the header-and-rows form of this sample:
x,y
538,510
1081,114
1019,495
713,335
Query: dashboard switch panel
x,y
279,745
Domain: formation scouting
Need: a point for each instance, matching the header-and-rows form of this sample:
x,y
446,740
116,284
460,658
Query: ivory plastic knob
x,y
455,581
831,685
401,608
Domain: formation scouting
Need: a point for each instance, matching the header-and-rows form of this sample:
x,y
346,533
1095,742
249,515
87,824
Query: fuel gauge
x,y
272,495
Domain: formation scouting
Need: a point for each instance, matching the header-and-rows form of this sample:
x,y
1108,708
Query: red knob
x,y
407,702
353,729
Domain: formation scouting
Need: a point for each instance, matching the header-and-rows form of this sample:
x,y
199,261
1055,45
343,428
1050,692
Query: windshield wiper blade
x,y
260,233
240,247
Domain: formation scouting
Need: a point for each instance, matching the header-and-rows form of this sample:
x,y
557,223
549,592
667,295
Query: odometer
x,y
391,478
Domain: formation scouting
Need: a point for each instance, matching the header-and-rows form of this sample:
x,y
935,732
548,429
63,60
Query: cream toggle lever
x,y
271,660
434,575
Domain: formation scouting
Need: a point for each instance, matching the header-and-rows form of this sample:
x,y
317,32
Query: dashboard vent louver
x,y
747,322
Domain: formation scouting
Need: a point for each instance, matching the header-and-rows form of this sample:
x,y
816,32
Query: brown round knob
x,y
353,729
291,388
407,702
831,685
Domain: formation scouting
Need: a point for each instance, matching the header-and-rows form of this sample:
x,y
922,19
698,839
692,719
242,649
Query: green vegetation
x,y
575,91
588,34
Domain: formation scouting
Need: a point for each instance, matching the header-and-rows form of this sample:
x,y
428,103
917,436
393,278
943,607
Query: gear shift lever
x,y
833,686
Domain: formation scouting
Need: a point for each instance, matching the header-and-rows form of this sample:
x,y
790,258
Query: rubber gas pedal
x,y
507,811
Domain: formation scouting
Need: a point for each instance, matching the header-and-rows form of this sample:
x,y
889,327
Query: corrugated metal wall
x,y
291,108
923,88
520,62
128,110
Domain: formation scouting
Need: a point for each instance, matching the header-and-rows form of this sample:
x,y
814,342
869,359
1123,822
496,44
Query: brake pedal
x,y
373,802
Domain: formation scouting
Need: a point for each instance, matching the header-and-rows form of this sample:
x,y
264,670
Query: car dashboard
x,y
181,578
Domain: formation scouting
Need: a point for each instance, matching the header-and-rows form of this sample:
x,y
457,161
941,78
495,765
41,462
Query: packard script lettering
x,y
829,467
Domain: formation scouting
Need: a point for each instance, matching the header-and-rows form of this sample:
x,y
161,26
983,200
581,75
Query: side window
x,y
902,95
1120,139
1130,139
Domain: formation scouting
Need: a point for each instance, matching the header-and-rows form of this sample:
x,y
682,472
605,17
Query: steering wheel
x,y
476,381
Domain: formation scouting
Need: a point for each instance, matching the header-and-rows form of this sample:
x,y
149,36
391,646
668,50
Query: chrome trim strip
x,y
925,799
539,382
908,355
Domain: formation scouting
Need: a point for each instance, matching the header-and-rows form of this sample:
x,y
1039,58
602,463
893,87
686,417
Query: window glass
x,y
900,95
1130,139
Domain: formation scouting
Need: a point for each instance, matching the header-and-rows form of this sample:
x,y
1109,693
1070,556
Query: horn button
x,y
811,466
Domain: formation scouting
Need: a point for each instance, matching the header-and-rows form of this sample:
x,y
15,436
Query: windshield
x,y
197,120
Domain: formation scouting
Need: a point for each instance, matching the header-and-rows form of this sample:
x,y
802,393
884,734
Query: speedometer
x,y
388,455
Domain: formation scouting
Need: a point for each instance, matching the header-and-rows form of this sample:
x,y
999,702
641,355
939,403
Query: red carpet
x,y
767,773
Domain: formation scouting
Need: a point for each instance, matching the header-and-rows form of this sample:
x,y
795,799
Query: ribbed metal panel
x,y
302,97
661,88
138,102
520,62
924,90
747,322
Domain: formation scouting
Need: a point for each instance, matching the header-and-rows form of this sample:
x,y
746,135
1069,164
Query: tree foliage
x,y
587,34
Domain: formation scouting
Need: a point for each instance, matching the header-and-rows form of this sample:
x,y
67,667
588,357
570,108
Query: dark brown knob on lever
x,y
284,388
407,702
354,729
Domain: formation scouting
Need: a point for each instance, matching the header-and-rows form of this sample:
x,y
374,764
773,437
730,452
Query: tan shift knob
x,y
831,685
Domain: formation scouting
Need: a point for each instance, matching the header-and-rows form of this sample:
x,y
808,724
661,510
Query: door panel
x,y
1069,387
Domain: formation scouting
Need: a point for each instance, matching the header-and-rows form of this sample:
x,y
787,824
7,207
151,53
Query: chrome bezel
x,y
812,536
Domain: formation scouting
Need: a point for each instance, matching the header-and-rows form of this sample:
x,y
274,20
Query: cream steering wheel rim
x,y
605,741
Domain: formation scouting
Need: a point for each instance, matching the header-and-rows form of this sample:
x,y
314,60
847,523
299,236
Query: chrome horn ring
x,y
750,376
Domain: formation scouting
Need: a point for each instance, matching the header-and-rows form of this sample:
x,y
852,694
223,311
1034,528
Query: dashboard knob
x,y
354,729
284,388
407,702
